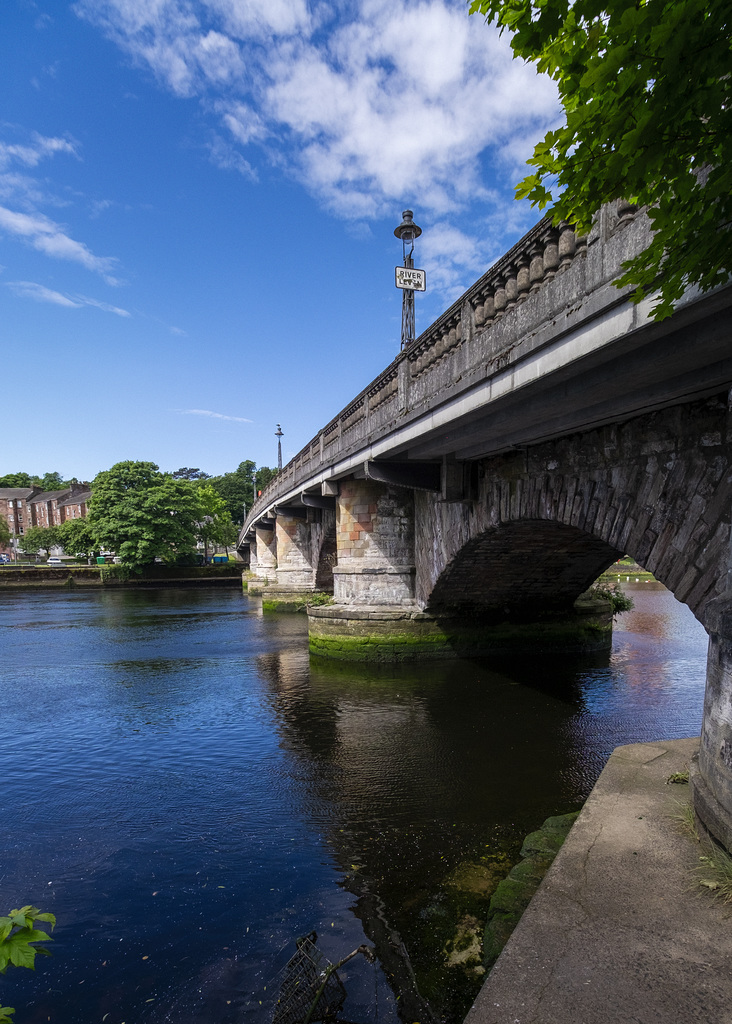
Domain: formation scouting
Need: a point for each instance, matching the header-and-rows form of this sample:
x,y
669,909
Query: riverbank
x,y
112,576
620,929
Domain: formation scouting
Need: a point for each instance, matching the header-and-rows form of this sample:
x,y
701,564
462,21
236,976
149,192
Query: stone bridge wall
x,y
658,487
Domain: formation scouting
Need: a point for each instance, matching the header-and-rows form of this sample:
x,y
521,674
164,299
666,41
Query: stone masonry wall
x,y
658,487
375,542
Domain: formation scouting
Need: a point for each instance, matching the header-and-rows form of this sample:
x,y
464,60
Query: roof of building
x,y
77,498
17,492
50,495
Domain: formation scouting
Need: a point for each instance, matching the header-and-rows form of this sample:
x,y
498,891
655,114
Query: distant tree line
x,y
143,514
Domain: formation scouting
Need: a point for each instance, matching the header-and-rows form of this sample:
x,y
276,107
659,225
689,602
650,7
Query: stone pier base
x,y
392,633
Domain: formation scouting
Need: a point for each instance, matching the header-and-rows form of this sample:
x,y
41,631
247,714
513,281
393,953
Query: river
x,y
188,792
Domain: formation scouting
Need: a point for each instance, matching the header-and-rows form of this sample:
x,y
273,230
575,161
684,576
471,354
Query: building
x,y
22,507
16,509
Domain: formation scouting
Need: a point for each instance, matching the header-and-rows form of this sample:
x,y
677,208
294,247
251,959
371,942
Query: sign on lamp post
x,y
407,277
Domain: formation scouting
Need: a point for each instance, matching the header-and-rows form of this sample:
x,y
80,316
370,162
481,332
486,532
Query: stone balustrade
x,y
440,354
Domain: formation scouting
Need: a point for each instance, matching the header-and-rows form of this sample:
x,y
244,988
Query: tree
x,y
39,538
143,514
237,488
76,538
4,532
646,87
184,473
16,480
214,517
50,481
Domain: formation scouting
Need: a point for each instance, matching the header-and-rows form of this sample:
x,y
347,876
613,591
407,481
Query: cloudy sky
x,y
197,204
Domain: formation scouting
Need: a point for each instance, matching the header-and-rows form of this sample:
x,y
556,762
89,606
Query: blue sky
x,y
197,204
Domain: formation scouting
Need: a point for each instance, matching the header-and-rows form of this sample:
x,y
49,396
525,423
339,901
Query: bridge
x,y
542,427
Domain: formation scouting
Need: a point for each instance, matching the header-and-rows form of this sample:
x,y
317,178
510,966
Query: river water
x,y
188,792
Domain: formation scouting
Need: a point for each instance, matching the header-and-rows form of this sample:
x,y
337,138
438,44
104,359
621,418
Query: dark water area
x,y
188,792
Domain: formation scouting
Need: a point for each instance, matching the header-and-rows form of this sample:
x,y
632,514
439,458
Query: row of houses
x,y
22,507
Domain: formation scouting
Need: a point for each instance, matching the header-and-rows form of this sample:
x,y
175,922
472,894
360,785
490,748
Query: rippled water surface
x,y
187,791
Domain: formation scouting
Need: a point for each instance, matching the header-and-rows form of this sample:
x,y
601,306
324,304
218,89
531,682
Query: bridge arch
x,y
521,570
657,487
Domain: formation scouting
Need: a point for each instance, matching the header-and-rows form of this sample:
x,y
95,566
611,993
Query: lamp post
x,y
406,277
279,435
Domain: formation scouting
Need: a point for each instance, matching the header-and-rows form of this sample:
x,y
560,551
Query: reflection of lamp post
x,y
279,435
408,232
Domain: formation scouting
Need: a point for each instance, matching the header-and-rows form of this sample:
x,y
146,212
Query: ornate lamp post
x,y
279,435
406,277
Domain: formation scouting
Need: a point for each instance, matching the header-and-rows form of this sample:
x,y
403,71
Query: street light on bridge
x,y
406,277
279,435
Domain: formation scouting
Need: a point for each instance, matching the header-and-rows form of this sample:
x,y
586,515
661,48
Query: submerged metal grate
x,y
310,989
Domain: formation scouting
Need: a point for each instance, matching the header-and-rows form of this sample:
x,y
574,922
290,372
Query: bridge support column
x,y
294,554
375,616
265,565
375,544
711,775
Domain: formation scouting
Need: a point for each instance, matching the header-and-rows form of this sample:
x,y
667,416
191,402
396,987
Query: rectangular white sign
x,y
416,280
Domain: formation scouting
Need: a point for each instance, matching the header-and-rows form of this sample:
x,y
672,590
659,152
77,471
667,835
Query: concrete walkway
x,y
618,932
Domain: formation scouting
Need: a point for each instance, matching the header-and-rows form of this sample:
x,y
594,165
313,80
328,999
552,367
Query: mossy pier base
x,y
392,633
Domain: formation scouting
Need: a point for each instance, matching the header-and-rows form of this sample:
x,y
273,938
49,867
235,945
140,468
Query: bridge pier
x,y
375,616
711,775
294,544
263,554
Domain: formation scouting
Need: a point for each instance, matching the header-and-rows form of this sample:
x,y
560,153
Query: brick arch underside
x,y
657,487
522,570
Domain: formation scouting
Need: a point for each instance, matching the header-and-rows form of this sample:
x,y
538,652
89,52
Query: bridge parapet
x,y
544,285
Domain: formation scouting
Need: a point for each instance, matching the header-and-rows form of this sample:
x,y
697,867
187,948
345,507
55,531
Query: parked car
x,y
4,559
55,561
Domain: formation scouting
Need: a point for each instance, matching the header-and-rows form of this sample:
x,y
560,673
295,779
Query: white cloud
x,y
214,415
48,237
39,292
31,154
31,290
372,104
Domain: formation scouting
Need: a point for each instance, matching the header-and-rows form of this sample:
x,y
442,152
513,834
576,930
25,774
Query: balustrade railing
x,y
541,255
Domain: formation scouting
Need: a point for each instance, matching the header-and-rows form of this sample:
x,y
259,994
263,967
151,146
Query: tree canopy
x,y
646,87
143,514
237,488
39,538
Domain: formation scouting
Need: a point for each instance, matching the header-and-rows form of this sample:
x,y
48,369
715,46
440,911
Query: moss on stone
x,y
514,893
294,603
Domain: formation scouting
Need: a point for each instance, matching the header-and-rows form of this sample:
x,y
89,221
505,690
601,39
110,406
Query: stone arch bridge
x,y
542,427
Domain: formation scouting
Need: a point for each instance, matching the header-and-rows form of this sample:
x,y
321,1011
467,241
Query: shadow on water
x,y
188,791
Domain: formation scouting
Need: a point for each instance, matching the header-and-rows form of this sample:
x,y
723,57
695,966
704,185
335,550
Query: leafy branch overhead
x,y
646,87
18,938
18,935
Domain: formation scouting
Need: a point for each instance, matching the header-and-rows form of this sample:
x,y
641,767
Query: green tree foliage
x,y
184,473
47,482
214,517
16,480
646,87
143,514
50,482
39,538
76,538
237,488
18,938
4,531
